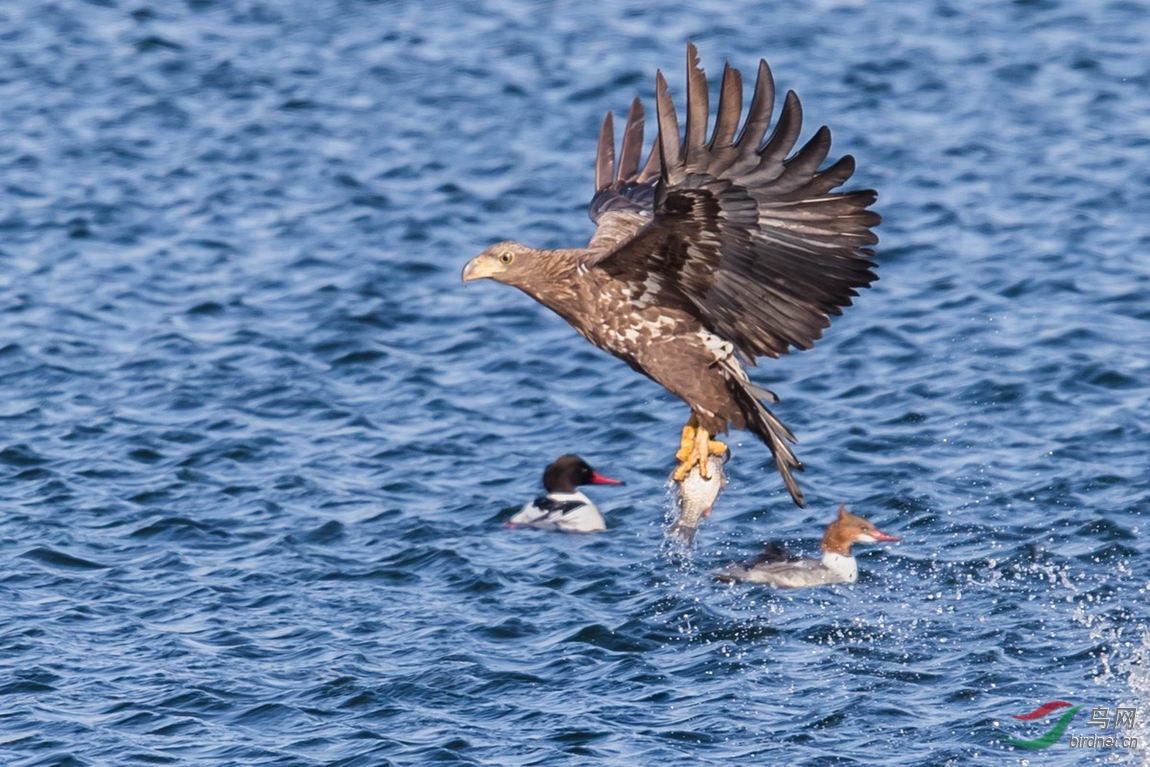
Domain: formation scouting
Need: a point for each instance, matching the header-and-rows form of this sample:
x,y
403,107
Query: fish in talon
x,y
695,498
778,567
564,508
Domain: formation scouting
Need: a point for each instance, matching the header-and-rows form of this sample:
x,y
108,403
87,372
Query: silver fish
x,y
695,498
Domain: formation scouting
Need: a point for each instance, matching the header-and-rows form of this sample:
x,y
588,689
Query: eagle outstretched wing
x,y
752,236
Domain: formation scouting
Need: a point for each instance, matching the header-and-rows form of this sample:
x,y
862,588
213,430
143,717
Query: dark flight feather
x,y
750,231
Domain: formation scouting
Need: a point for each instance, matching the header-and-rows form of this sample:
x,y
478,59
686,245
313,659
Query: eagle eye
x,y
506,257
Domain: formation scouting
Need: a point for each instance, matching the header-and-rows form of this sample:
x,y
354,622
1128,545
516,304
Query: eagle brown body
x,y
711,254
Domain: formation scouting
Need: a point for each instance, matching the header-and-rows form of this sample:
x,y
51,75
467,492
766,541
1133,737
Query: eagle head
x,y
506,262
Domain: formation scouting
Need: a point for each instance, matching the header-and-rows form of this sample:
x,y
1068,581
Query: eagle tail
x,y
767,427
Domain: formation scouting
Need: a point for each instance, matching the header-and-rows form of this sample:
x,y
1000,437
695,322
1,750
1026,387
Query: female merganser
x,y
778,567
565,508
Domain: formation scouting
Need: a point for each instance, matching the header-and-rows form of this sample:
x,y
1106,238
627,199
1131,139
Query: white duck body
x,y
566,512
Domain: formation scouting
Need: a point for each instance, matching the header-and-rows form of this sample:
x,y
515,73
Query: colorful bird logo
x,y
1056,732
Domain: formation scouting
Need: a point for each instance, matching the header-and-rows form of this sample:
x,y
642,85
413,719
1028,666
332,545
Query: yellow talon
x,y
695,447
686,443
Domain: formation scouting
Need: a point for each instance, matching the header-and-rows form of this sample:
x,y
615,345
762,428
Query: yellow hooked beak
x,y
481,267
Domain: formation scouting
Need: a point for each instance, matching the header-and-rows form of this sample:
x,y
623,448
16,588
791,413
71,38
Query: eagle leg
x,y
695,446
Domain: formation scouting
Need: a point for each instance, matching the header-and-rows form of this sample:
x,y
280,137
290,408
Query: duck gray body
x,y
778,567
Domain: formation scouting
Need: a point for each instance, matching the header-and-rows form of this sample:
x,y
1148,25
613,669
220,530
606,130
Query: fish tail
x,y
685,533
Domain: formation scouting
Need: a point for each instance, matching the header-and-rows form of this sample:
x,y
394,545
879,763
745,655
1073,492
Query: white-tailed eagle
x,y
711,253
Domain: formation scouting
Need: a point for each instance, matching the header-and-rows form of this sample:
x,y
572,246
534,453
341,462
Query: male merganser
x,y
564,508
778,567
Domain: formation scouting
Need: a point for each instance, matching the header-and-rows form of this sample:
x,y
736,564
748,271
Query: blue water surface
x,y
256,439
